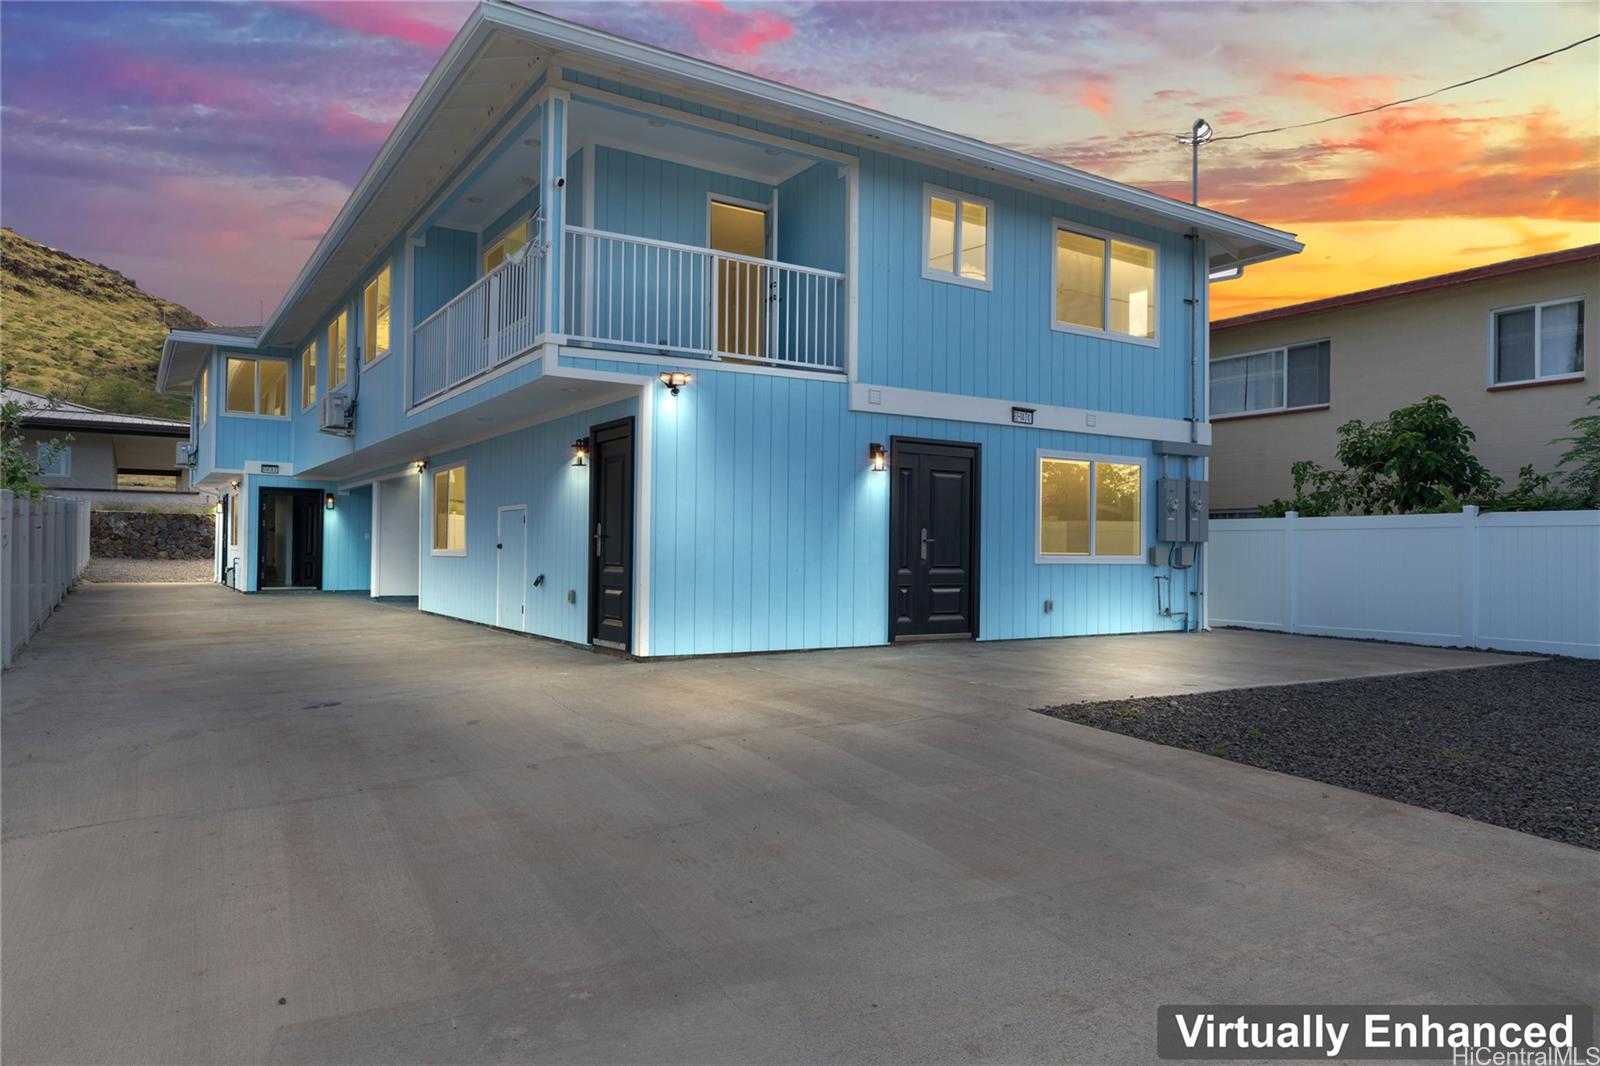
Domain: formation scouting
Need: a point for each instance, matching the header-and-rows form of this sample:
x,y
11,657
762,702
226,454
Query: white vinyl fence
x,y
44,546
1514,581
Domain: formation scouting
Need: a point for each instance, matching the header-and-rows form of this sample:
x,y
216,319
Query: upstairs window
x,y
308,376
450,511
955,237
507,245
375,318
257,387
338,337
1090,509
1280,379
1538,342
1104,285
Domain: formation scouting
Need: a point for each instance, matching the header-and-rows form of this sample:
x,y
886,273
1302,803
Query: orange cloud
x,y
1337,91
1096,94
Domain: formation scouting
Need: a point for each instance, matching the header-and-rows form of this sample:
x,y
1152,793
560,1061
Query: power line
x,y
1410,99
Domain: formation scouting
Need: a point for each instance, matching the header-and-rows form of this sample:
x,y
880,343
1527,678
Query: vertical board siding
x,y
812,219
531,466
347,542
445,264
770,532
647,197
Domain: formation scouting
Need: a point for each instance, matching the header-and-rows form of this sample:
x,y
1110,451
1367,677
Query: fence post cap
x,y
1470,510
1291,514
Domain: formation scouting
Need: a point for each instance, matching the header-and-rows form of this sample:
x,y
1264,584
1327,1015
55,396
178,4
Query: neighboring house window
x,y
338,335
308,376
450,511
1538,341
508,244
955,237
375,318
1280,379
205,394
55,461
257,386
1089,509
1104,285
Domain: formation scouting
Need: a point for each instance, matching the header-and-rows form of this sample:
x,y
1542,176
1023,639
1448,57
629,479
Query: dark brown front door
x,y
933,537
611,535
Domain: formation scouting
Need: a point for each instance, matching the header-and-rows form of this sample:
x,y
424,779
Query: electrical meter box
x,y
1171,504
1199,512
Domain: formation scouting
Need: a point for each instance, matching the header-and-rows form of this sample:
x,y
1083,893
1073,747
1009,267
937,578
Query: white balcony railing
x,y
492,321
637,292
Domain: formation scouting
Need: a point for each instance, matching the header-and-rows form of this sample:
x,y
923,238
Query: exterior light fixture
x,y
580,452
877,456
674,380
327,501
422,465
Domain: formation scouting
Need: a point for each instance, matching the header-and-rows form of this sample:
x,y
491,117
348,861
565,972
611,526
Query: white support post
x,y
1291,569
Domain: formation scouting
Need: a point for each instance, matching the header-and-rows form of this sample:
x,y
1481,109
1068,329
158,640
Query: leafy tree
x,y
20,460
1418,459
1583,480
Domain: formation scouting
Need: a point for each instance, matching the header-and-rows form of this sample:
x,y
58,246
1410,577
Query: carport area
x,y
315,828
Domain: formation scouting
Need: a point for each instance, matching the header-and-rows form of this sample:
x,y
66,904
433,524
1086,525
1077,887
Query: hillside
x,y
83,332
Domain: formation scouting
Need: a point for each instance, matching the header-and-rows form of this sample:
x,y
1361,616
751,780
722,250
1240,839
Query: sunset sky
x,y
203,148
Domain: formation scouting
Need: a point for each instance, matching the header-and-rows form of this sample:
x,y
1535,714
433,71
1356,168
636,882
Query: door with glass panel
x,y
739,306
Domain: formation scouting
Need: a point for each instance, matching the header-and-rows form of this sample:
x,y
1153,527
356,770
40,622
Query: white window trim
x,y
367,364
328,348
1154,341
316,375
1039,556
1538,342
929,191
1283,408
288,370
452,553
64,455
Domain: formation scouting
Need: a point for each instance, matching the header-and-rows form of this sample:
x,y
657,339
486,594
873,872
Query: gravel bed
x,y
1516,746
165,570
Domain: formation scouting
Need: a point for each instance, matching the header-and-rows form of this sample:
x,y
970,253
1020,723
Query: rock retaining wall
x,y
146,535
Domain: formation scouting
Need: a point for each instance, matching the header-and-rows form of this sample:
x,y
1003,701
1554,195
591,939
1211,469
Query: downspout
x,y
1196,324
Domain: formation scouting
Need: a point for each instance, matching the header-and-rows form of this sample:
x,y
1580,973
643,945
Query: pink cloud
x,y
1097,95
724,29
340,121
393,20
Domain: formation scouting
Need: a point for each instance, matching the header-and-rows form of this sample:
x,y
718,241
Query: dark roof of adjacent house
x,y
1411,288
41,412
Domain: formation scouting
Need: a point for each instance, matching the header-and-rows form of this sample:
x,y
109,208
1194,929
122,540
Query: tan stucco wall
x,y
1388,354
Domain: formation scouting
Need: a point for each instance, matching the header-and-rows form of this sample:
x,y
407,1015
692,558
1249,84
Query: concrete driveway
x,y
314,828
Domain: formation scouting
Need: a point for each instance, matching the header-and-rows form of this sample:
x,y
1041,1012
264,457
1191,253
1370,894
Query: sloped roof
x,y
64,415
1506,267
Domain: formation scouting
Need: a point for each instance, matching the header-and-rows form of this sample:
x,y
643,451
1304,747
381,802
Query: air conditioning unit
x,y
188,454
338,414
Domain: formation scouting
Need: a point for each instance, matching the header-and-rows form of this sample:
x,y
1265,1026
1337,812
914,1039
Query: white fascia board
x,y
870,399
844,119
466,43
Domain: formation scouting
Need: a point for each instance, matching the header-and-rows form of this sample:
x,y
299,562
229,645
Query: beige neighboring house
x,y
111,457
1504,344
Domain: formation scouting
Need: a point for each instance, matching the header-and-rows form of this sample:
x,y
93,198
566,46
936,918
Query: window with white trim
x,y
450,511
1290,378
55,460
233,519
338,342
256,387
308,376
205,394
1090,508
955,237
506,246
1104,284
1537,341
375,318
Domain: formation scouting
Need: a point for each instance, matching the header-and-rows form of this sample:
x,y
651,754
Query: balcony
x,y
640,295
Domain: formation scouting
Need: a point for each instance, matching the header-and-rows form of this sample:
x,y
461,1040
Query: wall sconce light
x,y
674,380
327,501
877,457
580,452
422,465
234,482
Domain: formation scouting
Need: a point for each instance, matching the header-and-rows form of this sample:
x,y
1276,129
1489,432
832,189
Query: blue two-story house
x,y
620,347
